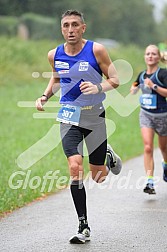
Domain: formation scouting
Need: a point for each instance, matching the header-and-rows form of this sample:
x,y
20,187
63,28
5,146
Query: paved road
x,y
121,216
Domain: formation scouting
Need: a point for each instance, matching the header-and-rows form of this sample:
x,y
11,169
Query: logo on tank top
x,y
83,66
61,64
63,72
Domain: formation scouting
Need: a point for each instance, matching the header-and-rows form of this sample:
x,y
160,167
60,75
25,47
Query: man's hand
x,y
88,87
40,102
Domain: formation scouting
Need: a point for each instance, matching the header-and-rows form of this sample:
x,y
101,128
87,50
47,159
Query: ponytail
x,y
164,57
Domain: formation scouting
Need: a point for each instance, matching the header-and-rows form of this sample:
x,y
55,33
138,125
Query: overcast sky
x,y
158,8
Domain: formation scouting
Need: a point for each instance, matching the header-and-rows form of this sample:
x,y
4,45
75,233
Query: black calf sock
x,y
79,197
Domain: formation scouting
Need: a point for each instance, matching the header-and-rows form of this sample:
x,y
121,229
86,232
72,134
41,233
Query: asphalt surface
x,y
121,217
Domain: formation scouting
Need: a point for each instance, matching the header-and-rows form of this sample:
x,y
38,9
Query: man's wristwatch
x,y
155,86
99,87
45,96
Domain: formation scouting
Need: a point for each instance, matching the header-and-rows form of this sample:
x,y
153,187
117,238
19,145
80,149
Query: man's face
x,y
72,29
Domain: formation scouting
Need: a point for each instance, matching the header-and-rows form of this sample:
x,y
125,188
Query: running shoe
x,y
149,189
113,161
82,236
164,171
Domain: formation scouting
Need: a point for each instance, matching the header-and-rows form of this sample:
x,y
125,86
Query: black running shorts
x,y
91,131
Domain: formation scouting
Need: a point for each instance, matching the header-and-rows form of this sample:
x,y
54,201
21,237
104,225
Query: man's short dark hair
x,y
73,13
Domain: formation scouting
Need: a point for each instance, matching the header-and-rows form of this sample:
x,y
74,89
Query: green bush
x,y
40,27
8,25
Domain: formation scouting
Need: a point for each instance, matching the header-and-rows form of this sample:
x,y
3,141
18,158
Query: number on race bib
x,y
147,101
67,114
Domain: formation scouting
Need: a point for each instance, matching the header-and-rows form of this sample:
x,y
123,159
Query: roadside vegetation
x,y
21,126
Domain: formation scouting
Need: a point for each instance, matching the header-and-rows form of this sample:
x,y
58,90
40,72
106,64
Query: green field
x,y
20,130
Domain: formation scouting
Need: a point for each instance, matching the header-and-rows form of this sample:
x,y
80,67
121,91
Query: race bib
x,y
148,101
69,114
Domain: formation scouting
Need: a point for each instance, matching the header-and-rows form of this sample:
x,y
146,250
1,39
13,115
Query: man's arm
x,y
106,66
107,69
53,85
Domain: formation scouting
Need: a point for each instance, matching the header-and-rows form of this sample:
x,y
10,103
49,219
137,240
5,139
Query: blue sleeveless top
x,y
161,101
73,70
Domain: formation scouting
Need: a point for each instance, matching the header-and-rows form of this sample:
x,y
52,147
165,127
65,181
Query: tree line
x,y
129,21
